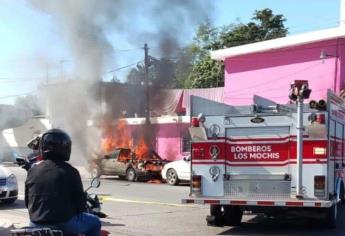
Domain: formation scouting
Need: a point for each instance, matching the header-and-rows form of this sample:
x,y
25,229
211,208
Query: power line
x,y
279,78
282,50
248,98
123,67
17,95
17,80
274,88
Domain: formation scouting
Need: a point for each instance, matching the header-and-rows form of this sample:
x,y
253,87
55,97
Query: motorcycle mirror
x,y
95,183
20,160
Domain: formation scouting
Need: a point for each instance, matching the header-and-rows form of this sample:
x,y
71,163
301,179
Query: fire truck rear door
x,y
264,150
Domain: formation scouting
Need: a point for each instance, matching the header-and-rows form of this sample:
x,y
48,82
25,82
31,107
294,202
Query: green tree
x,y
162,73
209,73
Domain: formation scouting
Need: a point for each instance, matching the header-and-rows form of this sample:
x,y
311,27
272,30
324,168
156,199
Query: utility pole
x,y
147,83
342,13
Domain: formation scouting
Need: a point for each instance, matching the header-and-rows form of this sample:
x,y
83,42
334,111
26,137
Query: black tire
x,y
331,216
95,172
342,194
172,177
232,215
131,175
9,201
216,217
122,177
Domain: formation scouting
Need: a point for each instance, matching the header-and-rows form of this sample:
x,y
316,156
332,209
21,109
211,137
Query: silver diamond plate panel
x,y
257,189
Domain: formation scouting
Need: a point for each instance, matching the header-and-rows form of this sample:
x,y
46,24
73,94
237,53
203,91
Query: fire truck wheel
x,y
232,215
131,175
172,177
331,216
342,194
216,218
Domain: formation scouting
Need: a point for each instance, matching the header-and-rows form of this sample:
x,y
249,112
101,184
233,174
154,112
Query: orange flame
x,y
142,149
120,137
116,137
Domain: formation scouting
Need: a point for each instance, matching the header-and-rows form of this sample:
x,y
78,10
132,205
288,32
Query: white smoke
x,y
86,26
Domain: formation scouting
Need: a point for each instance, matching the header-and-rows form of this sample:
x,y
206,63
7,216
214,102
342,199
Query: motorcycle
x,y
93,206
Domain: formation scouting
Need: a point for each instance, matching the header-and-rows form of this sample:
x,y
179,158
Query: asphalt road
x,y
155,209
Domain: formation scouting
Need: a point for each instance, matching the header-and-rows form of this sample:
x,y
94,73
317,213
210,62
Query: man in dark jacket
x,y
54,192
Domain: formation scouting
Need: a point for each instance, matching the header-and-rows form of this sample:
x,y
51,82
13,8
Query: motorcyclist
x,y
54,192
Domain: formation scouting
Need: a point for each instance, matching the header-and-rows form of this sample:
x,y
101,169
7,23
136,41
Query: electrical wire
x,y
281,77
283,50
274,88
249,98
17,95
123,67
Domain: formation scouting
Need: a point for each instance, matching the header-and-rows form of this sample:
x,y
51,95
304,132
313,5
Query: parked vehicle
x,y
269,159
125,164
8,186
177,171
93,206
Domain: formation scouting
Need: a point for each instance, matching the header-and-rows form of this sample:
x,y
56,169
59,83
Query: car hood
x,y
4,172
174,164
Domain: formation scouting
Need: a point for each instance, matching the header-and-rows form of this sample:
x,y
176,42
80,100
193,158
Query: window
x,y
186,139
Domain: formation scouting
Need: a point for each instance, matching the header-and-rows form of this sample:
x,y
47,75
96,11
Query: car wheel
x,y
9,201
172,177
95,172
131,175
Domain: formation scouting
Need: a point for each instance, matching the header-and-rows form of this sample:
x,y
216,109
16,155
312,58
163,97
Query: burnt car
x,y
127,165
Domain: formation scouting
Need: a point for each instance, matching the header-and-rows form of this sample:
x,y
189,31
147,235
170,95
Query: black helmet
x,y
55,144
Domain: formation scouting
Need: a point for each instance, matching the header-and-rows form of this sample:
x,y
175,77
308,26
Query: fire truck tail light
x,y
319,151
196,184
319,185
320,118
195,122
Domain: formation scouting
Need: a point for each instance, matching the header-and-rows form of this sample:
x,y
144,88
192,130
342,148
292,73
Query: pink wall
x,y
270,74
168,138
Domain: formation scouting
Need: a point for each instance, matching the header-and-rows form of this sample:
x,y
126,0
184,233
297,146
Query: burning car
x,y
127,165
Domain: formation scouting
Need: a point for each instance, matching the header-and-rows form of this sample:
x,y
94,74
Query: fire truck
x,y
272,159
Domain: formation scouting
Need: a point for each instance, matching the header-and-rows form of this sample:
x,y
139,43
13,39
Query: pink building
x,y
268,68
170,120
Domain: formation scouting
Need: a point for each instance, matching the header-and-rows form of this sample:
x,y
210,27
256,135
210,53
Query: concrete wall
x,y
270,74
13,141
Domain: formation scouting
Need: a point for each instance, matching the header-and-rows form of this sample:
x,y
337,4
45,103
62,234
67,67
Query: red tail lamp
x,y
320,118
195,122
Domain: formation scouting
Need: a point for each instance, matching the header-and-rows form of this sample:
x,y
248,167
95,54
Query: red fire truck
x,y
271,159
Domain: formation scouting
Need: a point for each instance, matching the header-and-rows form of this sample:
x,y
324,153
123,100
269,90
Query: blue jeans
x,y
85,223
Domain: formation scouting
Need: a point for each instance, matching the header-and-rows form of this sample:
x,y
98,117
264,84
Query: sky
x,y
33,50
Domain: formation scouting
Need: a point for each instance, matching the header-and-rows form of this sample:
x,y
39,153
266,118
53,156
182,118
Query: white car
x,y
177,171
8,186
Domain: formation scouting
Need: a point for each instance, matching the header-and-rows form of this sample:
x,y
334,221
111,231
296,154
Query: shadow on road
x,y
18,204
111,224
292,226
